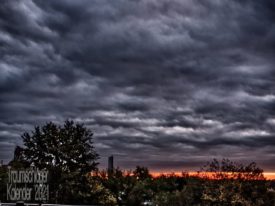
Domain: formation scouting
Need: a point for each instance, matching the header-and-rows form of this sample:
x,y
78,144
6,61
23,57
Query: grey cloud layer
x,y
166,84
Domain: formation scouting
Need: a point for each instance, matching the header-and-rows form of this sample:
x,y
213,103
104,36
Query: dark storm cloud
x,y
166,84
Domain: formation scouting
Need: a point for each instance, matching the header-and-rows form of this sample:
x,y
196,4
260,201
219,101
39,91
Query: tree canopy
x,y
66,151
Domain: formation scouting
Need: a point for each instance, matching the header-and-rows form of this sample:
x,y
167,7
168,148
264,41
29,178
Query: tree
x,y
3,182
227,169
119,184
234,184
141,173
67,152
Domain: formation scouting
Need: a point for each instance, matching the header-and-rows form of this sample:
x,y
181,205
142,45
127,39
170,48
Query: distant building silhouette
x,y
110,164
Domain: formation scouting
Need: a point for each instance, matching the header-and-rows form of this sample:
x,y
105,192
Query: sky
x,y
165,84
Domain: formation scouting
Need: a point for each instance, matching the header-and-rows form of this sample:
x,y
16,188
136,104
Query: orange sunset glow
x,y
267,175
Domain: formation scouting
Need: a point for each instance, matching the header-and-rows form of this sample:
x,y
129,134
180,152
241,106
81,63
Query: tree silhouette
x,y
67,152
234,183
227,169
141,173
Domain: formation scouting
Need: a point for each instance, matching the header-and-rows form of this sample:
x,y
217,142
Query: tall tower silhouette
x,y
110,164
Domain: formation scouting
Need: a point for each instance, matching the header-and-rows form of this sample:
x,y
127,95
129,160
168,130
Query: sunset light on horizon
x,y
267,175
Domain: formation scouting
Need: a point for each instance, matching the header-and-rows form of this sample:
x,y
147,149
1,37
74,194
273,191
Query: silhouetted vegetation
x,y
68,153
223,186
